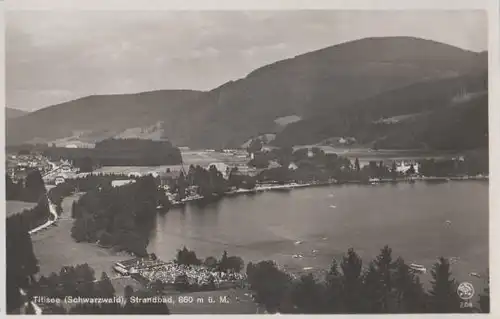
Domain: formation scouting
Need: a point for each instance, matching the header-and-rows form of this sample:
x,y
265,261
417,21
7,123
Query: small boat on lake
x,y
418,268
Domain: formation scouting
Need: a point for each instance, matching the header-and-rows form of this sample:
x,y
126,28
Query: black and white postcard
x,y
250,159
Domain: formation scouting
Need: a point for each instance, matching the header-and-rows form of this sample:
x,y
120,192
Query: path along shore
x,y
290,186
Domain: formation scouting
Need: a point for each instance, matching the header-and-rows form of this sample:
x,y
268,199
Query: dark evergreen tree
x,y
12,189
308,296
223,266
385,267
269,284
34,186
351,268
410,295
333,290
443,295
372,291
21,263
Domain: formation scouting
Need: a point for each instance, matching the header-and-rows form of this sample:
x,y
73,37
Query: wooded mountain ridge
x,y
356,83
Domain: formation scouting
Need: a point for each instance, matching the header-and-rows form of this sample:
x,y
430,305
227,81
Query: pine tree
x,y
351,268
308,295
35,186
223,262
385,267
410,296
333,283
372,290
443,294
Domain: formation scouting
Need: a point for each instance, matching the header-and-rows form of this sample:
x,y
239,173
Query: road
x,y
53,212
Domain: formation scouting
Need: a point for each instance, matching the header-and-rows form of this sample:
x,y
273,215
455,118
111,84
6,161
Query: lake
x,y
410,218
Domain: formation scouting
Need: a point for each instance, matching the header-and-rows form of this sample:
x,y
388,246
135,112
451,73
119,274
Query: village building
x,y
404,166
122,182
59,180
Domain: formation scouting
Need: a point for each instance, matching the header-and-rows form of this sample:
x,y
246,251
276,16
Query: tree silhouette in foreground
x,y
443,296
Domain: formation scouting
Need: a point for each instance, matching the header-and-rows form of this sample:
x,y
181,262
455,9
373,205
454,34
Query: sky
x,y
57,56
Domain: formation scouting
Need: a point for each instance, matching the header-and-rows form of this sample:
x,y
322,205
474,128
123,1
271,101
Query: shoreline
x,y
291,186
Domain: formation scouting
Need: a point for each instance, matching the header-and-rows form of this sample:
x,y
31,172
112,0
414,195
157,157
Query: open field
x,y
202,158
54,247
15,206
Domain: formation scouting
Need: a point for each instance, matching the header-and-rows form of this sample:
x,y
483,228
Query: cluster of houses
x,y
18,166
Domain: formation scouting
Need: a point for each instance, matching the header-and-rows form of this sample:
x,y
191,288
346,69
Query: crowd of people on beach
x,y
200,275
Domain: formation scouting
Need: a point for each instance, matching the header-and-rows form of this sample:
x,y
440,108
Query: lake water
x,y
410,218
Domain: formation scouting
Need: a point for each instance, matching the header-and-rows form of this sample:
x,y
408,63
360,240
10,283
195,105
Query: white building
x,y
403,167
134,174
118,183
59,180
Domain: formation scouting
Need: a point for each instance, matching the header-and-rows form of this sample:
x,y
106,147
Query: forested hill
x,y
98,117
307,86
438,114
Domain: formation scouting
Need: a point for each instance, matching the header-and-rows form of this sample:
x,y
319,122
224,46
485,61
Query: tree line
x,y
385,286
21,262
119,152
81,184
320,166
304,166
29,189
224,264
120,217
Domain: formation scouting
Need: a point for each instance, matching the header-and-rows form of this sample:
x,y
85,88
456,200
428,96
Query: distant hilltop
x,y
342,90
